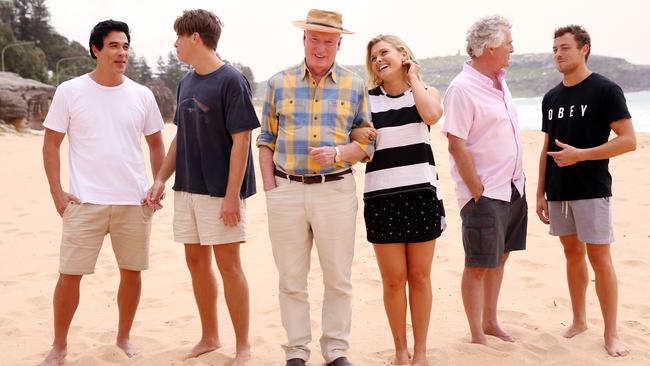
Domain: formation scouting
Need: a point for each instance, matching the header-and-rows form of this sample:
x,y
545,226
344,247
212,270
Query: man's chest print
x,y
567,112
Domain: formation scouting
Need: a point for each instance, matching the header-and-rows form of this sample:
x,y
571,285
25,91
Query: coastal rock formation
x,y
23,100
13,108
164,98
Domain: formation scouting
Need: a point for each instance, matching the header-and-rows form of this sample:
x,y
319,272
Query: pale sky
x,y
259,33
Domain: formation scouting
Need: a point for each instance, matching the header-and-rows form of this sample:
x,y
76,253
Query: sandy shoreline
x,y
534,301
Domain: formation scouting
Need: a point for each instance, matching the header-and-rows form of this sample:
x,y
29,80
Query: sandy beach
x,y
534,300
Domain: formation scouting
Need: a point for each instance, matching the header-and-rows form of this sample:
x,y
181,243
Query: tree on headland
x,y
172,71
29,21
138,70
248,73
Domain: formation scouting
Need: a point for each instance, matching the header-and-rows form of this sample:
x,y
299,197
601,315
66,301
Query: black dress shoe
x,y
341,361
296,362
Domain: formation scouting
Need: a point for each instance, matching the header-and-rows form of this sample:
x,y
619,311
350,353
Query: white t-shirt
x,y
105,127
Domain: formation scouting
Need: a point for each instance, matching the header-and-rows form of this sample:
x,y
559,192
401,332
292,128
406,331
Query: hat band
x,y
325,25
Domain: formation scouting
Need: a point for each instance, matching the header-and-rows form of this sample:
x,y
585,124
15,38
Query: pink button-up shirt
x,y
486,119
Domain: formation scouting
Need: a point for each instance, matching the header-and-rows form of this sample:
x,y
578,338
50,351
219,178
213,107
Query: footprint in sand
x,y
511,316
530,264
636,325
454,273
634,263
151,303
531,282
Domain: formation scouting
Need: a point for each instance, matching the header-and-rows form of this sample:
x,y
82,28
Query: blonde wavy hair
x,y
373,79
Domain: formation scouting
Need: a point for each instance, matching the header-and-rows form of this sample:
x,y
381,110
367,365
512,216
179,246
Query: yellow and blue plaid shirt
x,y
299,114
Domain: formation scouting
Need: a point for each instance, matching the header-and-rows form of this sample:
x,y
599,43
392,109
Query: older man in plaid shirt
x,y
306,157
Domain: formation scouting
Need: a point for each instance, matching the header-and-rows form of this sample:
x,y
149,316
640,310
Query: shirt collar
x,y
468,68
332,73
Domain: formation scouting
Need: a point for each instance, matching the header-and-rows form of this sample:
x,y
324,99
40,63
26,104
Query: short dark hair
x,y
200,21
580,34
102,29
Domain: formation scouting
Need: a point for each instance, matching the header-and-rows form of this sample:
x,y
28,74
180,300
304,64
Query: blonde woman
x,y
403,211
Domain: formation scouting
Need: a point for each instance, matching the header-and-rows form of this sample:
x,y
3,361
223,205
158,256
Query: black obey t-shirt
x,y
580,116
210,108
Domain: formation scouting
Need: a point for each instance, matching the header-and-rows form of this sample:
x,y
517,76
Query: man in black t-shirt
x,y
574,186
211,155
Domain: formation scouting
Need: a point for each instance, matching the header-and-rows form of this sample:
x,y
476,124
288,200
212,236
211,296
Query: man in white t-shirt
x,y
104,115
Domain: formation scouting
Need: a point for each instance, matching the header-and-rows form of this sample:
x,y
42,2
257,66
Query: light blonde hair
x,y
373,79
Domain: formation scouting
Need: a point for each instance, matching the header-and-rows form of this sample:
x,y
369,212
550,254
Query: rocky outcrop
x,y
23,100
164,98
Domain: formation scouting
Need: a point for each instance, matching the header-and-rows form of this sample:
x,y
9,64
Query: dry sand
x,y
534,301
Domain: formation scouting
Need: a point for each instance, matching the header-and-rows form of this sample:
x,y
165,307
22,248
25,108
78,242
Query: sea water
x,y
530,111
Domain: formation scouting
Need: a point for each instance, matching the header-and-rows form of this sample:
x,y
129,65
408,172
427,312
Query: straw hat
x,y
322,21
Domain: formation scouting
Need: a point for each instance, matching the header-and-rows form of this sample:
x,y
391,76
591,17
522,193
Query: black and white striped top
x,y
403,158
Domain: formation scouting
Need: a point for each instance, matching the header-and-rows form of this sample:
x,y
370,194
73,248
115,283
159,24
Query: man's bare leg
x,y
235,288
391,259
492,287
128,298
607,291
578,279
204,284
472,290
420,257
66,300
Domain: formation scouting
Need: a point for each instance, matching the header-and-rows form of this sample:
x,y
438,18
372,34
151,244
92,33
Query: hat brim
x,y
319,28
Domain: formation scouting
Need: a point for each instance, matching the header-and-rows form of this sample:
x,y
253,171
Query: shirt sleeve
x,y
240,113
269,131
153,122
615,106
544,113
362,119
459,113
58,116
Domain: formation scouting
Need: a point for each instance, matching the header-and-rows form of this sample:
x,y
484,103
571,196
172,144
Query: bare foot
x,y
616,348
479,339
243,355
402,358
127,347
496,331
574,329
204,346
419,360
55,357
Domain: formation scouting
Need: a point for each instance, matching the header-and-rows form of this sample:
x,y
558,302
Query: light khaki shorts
x,y
85,226
196,220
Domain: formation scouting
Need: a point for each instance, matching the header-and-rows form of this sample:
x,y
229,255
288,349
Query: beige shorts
x,y
85,226
196,220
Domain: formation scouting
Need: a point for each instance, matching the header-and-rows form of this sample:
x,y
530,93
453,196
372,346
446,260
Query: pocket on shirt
x,y
292,111
338,119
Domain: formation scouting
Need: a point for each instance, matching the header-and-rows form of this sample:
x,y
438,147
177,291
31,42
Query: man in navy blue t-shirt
x,y
574,187
211,155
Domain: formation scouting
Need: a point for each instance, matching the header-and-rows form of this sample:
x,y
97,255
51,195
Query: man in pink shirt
x,y
483,132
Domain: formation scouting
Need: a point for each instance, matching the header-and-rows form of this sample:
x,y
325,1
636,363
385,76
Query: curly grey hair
x,y
486,32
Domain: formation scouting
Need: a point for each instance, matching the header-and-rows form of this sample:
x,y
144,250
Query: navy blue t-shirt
x,y
210,108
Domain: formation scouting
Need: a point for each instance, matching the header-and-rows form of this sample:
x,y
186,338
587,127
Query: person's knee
x,y
198,261
601,261
574,252
419,279
395,282
66,280
475,273
231,270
